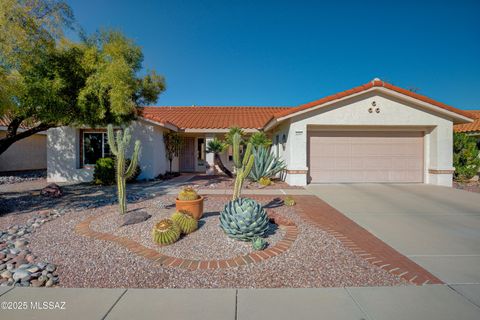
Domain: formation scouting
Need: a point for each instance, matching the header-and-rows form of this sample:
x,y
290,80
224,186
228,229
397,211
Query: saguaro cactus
x,y
118,144
242,166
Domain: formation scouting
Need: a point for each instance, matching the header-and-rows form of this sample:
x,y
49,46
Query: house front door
x,y
187,155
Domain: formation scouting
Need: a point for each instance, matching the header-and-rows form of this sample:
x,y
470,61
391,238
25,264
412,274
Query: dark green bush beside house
x,y
104,172
465,156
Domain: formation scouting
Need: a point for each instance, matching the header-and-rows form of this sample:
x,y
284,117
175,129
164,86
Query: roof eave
x,y
456,117
166,124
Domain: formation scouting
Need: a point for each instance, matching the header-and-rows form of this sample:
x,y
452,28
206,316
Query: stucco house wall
x,y
395,114
26,154
64,155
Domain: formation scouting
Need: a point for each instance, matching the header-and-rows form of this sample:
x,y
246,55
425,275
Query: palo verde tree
x,y
47,80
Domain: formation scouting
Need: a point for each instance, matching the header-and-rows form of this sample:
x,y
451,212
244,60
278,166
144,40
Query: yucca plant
x,y
266,165
118,145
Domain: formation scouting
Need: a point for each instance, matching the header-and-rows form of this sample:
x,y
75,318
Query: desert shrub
x,y
104,172
465,156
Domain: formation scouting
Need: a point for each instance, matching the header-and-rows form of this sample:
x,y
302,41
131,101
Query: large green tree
x,y
47,80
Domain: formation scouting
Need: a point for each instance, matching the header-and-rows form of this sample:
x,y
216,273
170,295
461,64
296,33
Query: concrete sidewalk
x,y
409,302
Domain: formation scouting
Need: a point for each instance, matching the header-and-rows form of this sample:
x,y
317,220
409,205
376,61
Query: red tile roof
x,y
198,117
365,87
469,127
5,121
223,117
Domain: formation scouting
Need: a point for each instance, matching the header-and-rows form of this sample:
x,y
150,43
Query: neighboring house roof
x,y
472,126
5,121
202,117
375,83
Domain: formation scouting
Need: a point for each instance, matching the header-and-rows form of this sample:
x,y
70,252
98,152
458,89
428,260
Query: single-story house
x,y
26,154
376,132
472,128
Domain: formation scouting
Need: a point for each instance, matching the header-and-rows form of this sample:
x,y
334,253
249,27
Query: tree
x,y
260,139
216,147
47,80
173,142
465,156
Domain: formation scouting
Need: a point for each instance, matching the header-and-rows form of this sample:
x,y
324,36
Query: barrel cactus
x,y
187,194
166,232
259,244
185,221
264,181
289,201
244,219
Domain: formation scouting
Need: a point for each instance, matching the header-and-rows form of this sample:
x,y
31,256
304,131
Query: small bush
x,y
465,156
104,172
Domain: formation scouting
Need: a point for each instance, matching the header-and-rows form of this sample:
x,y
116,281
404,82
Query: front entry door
x,y
187,155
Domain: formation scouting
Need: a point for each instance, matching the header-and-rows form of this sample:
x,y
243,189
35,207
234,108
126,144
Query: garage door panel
x,y
368,156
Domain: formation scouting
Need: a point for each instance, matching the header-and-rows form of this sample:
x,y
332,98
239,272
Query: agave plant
x,y
266,165
244,219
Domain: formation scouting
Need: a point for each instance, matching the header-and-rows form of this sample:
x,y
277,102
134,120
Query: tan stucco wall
x,y
27,154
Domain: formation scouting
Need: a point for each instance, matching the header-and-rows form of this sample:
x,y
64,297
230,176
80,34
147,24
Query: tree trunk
x,y
218,161
12,135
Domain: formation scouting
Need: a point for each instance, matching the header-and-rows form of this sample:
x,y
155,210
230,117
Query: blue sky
x,y
292,52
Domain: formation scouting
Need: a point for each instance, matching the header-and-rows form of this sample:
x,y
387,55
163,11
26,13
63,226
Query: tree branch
x,y
12,135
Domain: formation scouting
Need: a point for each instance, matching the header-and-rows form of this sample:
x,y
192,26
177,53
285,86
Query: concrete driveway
x,y
437,227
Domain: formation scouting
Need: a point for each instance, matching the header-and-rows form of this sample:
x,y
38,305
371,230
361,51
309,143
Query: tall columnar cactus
x,y
118,144
242,166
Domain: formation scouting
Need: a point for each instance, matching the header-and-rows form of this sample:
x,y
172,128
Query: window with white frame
x,y
95,146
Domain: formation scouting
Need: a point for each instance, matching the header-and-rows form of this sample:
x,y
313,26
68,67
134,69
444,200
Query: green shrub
x,y
465,156
104,172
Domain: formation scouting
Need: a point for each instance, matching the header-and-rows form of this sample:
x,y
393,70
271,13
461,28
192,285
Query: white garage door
x,y
365,156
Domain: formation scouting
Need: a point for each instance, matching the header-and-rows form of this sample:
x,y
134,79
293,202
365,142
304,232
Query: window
x,y
95,146
200,151
277,145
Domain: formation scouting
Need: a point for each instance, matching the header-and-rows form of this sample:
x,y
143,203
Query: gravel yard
x,y
23,176
316,259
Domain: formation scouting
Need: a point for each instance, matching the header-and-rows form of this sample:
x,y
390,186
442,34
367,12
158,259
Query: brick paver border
x,y
362,242
310,208
83,228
